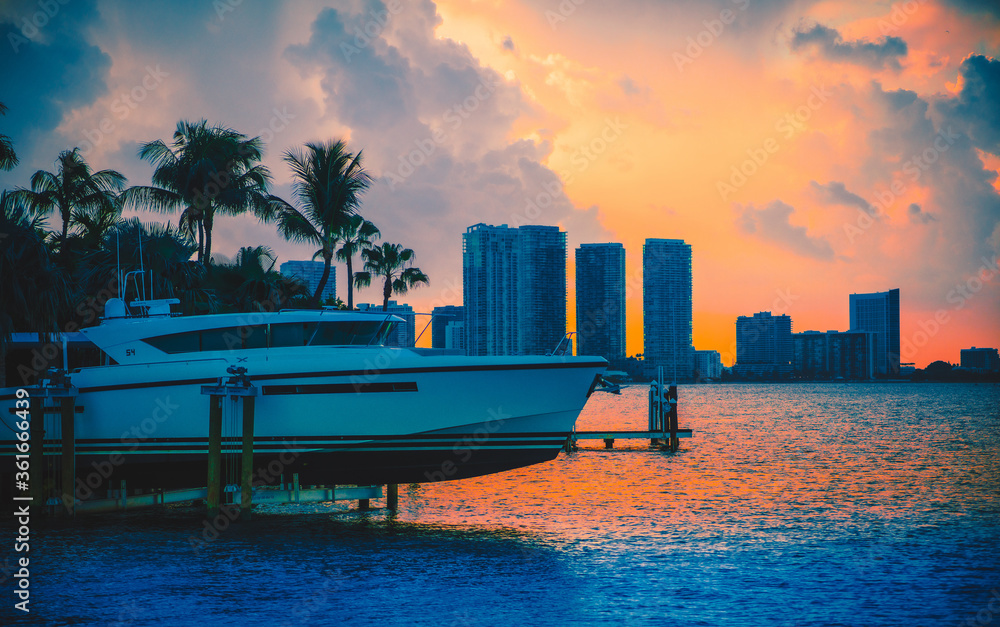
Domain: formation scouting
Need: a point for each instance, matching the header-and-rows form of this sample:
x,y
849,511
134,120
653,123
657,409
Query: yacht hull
x,y
343,416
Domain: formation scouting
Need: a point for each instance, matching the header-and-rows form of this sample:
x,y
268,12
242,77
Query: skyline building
x,y
666,308
441,318
405,334
708,364
600,301
835,354
311,272
878,312
980,359
763,345
514,289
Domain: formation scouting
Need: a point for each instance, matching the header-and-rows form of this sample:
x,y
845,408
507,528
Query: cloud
x,y
508,43
628,86
976,109
836,193
880,54
48,73
436,129
918,216
771,224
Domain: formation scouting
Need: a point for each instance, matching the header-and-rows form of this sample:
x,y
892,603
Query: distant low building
x,y
980,359
763,345
835,354
708,364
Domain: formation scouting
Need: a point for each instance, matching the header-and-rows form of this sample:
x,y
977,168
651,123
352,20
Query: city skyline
x,y
860,154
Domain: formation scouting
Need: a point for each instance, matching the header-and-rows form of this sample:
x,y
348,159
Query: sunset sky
x,y
806,150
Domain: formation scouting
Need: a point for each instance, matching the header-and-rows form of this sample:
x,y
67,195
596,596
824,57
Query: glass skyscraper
x,y
514,289
666,308
878,312
600,301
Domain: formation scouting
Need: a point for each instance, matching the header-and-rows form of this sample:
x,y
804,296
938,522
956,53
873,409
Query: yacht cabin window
x,y
285,334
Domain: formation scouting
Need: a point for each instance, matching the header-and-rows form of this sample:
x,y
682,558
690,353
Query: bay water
x,y
793,504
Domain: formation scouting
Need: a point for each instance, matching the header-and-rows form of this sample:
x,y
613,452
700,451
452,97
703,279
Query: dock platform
x,y
609,437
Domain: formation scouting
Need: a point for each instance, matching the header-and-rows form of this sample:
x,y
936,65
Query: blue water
x,y
825,504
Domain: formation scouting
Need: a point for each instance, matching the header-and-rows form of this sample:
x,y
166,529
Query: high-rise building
x,y
441,317
666,307
310,272
707,364
879,313
514,289
980,359
600,301
763,345
405,334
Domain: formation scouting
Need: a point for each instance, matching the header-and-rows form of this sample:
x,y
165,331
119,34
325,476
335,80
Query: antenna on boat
x,y
118,249
142,269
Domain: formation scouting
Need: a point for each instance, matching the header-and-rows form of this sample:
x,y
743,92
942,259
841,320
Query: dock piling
x,y
68,406
246,483
214,494
392,497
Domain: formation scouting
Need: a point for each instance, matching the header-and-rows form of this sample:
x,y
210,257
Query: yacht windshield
x,y
278,335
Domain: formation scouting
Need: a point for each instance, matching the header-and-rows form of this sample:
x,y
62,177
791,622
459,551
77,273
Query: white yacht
x,y
333,404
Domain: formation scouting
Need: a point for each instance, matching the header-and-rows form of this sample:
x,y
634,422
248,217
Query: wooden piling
x,y
68,496
214,492
36,459
295,485
392,496
364,505
672,399
246,483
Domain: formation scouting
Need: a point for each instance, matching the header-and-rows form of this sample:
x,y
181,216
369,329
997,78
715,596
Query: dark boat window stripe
x,y
341,388
348,373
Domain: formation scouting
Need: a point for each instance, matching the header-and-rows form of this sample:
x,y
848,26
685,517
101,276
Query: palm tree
x,y
205,170
8,159
250,282
393,262
329,181
33,289
357,235
71,191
